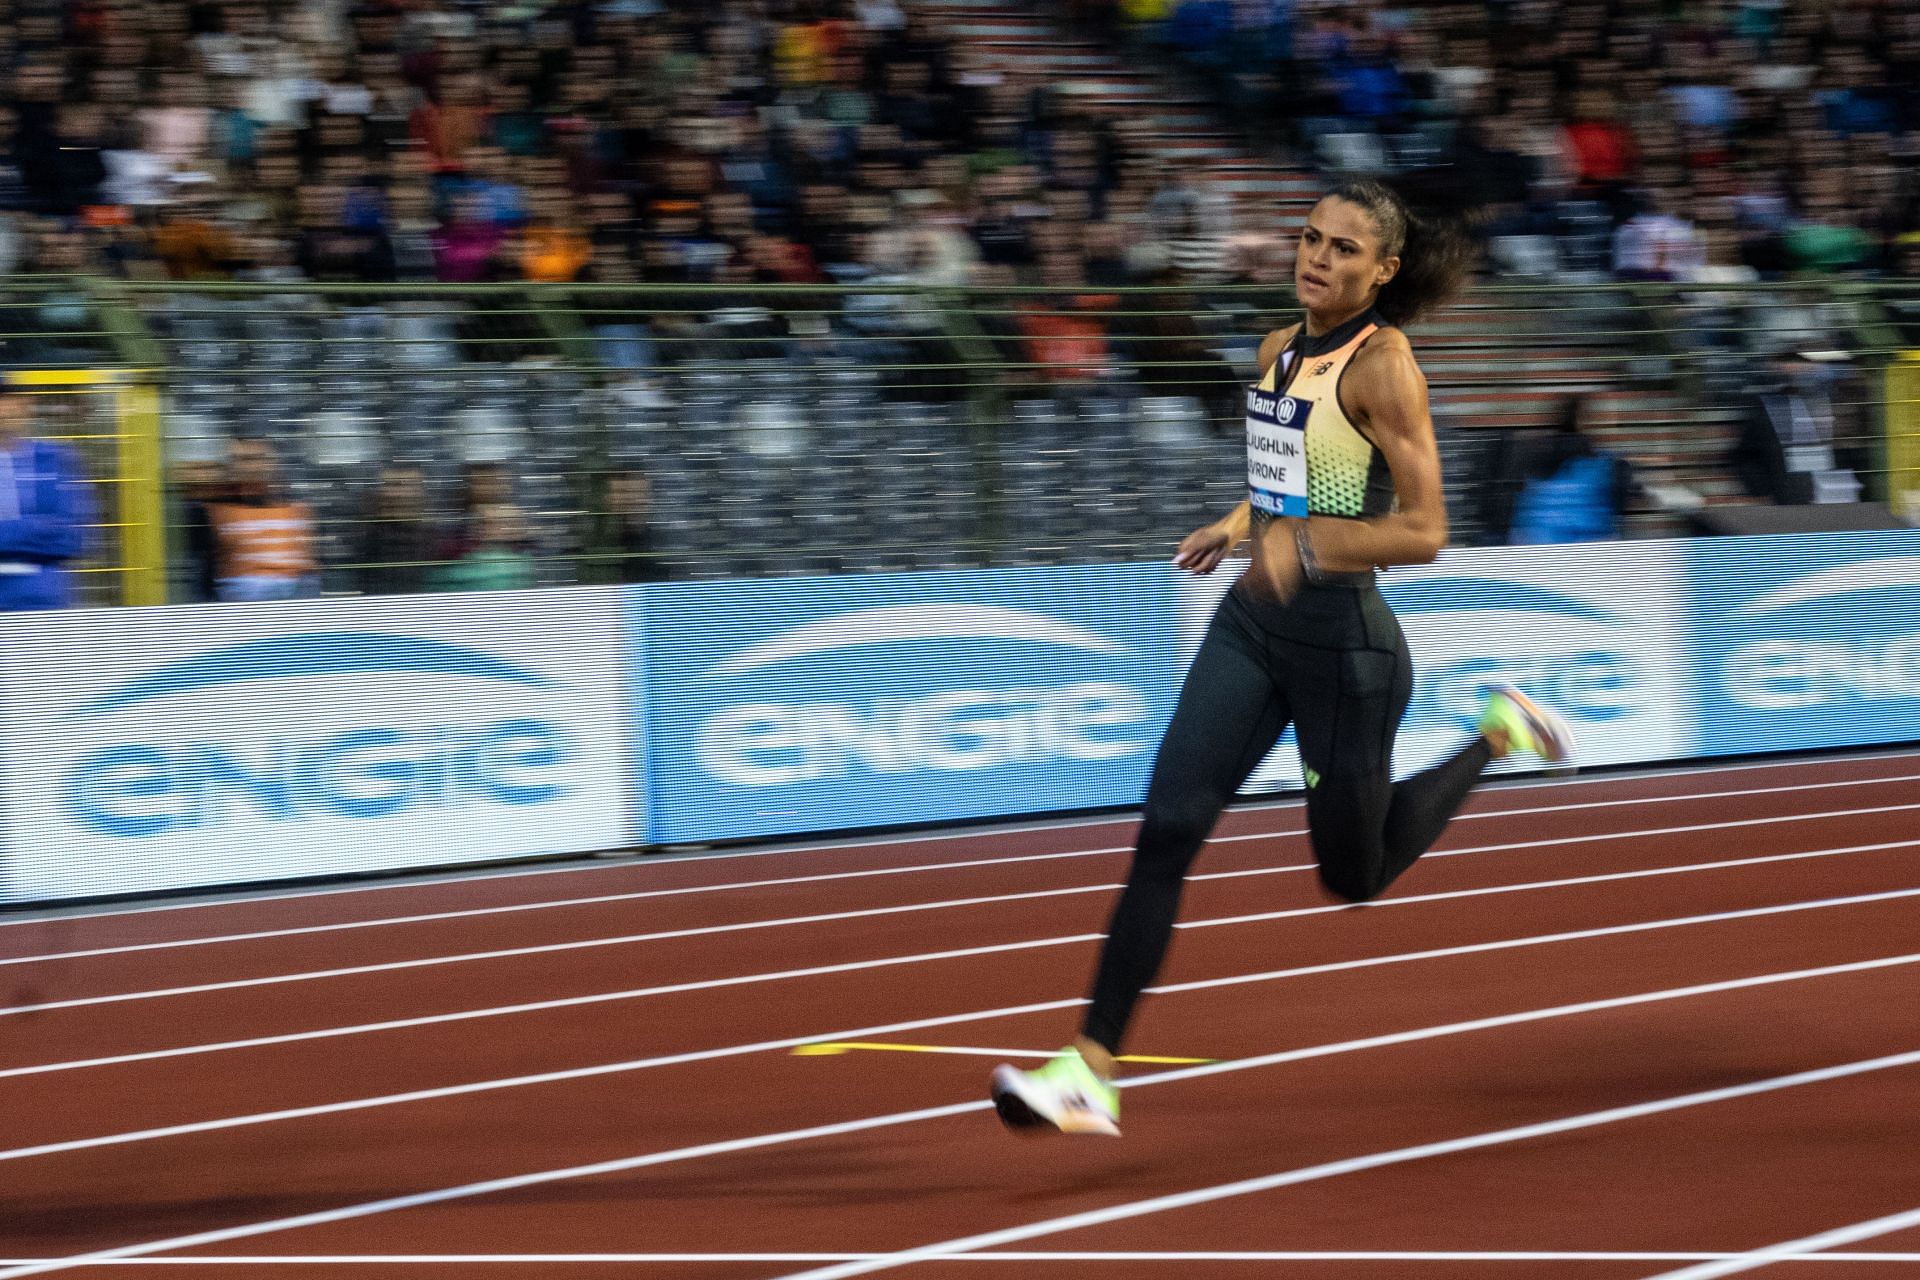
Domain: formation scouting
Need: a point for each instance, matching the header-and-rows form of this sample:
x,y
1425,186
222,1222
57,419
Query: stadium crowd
x,y
808,140
860,142
1706,142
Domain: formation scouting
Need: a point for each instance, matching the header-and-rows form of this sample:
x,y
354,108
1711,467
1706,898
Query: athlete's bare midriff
x,y
1274,568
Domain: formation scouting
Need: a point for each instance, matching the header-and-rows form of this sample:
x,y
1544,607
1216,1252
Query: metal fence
x,y
700,432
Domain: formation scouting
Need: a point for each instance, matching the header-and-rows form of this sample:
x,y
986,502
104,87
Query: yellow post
x,y
1903,435
143,543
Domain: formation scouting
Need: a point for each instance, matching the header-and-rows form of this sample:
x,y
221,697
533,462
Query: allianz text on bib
x,y
1277,452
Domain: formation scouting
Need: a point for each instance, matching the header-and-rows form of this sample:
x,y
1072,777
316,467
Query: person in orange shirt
x,y
553,247
255,542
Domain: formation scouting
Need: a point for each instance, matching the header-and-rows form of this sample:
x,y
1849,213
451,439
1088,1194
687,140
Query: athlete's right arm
x,y
1202,550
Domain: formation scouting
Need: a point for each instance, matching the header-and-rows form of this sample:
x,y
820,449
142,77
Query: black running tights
x,y
1333,663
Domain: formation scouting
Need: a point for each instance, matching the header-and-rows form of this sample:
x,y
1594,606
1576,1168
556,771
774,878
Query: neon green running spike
x,y
1065,1095
1529,727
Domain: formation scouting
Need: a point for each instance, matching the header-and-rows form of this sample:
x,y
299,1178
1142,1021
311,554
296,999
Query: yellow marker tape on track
x,y
835,1048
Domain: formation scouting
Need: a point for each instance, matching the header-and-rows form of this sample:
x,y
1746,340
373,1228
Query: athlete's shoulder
x,y
1387,353
1274,343
1384,382
1386,338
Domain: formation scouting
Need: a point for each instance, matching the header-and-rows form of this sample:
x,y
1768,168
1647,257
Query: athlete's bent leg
x,y
1365,829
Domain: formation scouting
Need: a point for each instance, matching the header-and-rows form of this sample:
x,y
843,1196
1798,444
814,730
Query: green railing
x,y
795,429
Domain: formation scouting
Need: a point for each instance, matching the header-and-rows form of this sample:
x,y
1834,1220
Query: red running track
x,y
1623,1026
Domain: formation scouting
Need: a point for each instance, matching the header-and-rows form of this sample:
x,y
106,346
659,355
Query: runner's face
x,y
1337,267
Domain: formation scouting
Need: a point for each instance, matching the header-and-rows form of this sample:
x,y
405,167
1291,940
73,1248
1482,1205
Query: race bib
x,y
1277,452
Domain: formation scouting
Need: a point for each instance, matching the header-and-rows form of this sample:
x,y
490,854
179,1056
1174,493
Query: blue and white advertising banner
x,y
1593,630
807,704
150,749
1808,640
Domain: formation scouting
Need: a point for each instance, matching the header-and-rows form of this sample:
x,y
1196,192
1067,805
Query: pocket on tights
x,y
1366,673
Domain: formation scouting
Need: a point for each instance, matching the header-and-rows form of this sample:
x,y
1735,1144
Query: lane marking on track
x,y
1245,1255
431,880
1359,1164
625,1164
1791,1249
584,944
707,1055
837,1048
572,1002
594,900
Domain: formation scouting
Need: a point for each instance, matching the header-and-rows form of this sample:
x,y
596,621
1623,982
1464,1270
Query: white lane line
x,y
1008,1255
593,900
392,966
606,898
1793,1249
1528,886
431,880
625,1164
862,1033
548,948
635,993
1359,1164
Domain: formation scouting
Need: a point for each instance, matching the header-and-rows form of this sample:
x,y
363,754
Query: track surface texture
x,y
1661,1024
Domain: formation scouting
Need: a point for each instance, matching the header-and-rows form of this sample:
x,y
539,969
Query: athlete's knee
x,y
1172,830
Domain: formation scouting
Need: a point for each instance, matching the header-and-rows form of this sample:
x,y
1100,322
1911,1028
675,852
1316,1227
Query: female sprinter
x,y
1343,476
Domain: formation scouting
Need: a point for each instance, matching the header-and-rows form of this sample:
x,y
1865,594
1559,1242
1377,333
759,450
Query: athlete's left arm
x,y
1386,394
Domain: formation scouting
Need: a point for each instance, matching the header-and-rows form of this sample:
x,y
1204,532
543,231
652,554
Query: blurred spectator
x,y
13,178
1658,243
621,536
484,485
192,241
179,131
1828,235
396,538
1064,336
45,510
251,540
194,484
330,248
1604,154
1571,490
553,246
78,171
470,246
1789,450
496,556
453,121
1905,308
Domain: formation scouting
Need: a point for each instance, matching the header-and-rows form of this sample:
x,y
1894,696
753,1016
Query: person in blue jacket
x,y
45,509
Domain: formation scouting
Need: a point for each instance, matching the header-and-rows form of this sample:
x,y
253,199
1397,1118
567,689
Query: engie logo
x,y
1591,629
1832,637
813,704
199,742
767,743
1481,631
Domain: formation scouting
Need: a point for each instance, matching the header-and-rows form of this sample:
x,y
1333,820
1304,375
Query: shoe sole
x,y
1552,728
1014,1112
1020,1117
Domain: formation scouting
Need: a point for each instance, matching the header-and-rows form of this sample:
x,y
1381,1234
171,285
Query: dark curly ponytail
x,y
1435,248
